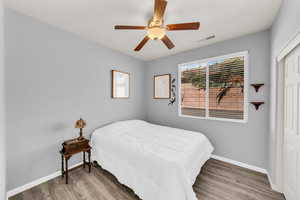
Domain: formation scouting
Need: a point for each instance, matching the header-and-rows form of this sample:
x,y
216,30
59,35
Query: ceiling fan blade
x,y
168,42
184,26
159,9
125,27
142,43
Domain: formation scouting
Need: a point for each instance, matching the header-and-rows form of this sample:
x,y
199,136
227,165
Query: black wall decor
x,y
173,92
257,86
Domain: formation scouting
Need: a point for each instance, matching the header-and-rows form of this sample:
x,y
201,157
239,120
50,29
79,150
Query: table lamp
x,y
80,124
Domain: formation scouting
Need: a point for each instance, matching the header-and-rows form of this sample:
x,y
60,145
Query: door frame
x,y
277,143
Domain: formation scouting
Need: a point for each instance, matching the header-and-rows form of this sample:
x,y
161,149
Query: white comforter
x,y
157,162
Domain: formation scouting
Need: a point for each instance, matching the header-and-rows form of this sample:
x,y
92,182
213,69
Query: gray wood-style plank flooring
x,y
217,181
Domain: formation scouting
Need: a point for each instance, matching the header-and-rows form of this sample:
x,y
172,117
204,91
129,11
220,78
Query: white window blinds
x,y
215,88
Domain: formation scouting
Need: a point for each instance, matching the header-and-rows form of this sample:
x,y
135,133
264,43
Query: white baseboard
x,y
240,164
27,186
274,186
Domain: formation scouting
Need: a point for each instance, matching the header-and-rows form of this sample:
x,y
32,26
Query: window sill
x,y
243,121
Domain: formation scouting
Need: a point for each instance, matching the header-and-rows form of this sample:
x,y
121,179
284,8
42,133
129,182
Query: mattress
x,y
156,162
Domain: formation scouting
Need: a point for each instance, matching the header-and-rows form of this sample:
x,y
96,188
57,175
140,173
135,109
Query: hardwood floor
x,y
217,181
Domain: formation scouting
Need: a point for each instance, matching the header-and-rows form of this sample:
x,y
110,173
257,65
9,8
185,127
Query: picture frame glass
x,y
120,84
162,86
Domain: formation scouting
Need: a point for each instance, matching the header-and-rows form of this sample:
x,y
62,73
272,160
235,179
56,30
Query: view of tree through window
x,y
213,89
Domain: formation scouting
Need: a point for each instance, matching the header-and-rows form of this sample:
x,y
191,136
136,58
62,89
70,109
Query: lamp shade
x,y
80,123
156,33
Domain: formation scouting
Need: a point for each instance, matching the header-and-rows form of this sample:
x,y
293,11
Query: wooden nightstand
x,y
72,147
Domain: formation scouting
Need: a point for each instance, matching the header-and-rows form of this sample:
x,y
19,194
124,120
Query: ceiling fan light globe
x,y
155,33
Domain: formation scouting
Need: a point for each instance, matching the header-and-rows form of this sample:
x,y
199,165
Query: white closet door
x,y
292,126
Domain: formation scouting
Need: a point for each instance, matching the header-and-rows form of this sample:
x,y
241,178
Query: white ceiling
x,y
95,19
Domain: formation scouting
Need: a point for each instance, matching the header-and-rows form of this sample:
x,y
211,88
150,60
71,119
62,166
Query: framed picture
x,y
120,84
162,86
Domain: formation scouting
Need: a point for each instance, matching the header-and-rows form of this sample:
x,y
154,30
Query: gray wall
x,y
2,111
284,28
242,142
52,78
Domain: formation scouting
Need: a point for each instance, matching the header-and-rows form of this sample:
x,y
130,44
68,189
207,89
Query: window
x,y
214,88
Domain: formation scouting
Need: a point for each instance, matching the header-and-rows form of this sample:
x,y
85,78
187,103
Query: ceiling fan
x,y
156,29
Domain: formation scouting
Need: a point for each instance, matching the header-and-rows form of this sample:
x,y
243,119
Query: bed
x,y
156,162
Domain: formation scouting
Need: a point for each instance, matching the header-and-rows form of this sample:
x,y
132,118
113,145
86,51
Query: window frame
x,y
245,54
